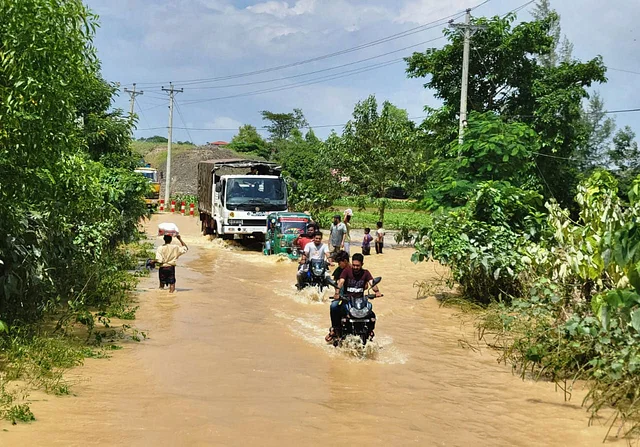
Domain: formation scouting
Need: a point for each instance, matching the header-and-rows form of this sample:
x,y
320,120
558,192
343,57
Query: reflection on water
x,y
238,357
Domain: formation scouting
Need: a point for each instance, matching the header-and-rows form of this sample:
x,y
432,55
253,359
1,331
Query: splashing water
x,y
352,346
313,295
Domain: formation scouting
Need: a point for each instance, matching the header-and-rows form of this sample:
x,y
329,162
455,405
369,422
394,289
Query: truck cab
x,y
242,194
151,174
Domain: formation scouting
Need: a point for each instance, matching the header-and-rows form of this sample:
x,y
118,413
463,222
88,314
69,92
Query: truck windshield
x,y
256,191
152,176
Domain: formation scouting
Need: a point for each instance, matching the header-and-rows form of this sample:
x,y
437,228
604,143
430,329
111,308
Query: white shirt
x,y
313,252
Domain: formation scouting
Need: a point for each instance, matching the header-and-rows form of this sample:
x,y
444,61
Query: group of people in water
x,y
351,278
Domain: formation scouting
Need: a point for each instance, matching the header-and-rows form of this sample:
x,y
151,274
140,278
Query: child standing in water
x,y
379,238
366,242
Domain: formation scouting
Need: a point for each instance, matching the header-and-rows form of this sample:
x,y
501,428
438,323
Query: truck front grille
x,y
254,222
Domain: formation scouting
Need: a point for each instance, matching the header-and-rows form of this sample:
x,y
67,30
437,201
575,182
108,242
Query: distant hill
x,y
184,162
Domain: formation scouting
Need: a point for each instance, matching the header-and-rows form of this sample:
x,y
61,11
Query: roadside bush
x,y
482,243
579,319
68,193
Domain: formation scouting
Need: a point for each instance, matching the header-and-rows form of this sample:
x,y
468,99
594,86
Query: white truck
x,y
235,196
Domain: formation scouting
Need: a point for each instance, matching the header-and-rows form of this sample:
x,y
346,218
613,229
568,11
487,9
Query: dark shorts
x,y
167,275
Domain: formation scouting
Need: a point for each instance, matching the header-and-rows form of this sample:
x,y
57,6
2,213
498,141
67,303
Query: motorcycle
x,y
359,320
317,274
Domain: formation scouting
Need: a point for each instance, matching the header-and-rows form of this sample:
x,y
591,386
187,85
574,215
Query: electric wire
x,y
297,85
319,71
421,28
182,119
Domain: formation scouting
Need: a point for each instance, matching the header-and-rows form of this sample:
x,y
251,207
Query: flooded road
x,y
237,357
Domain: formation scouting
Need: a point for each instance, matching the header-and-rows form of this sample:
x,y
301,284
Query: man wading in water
x,y
166,258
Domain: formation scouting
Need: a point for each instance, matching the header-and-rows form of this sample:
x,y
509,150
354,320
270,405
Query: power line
x,y
624,71
183,121
297,85
622,111
142,114
322,70
263,128
411,31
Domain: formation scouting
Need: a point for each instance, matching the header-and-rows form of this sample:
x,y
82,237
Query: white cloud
x,y
180,40
425,11
223,122
282,9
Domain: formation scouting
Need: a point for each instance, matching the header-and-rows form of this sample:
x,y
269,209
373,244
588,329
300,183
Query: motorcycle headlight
x,y
358,313
317,270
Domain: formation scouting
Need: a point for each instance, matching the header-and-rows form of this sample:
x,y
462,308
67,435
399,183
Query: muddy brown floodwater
x,y
237,357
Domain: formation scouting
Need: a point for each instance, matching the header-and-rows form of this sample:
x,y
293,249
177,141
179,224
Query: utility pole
x,y
468,29
167,184
133,93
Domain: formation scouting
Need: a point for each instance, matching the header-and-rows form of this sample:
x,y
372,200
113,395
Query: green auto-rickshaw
x,y
282,229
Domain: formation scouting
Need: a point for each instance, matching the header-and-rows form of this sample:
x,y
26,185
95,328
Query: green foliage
x,y
508,78
249,141
81,199
282,124
593,153
624,157
575,307
187,199
394,219
482,242
361,203
376,151
154,139
305,164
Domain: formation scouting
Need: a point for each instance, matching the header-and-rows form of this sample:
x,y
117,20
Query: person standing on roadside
x,y
166,258
379,238
347,223
366,242
337,234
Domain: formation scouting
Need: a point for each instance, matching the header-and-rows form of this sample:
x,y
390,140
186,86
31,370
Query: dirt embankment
x,y
184,165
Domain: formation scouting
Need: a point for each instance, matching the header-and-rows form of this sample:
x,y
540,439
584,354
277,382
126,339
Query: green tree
x,y
624,157
507,77
248,140
543,11
493,150
68,194
306,163
282,124
154,139
600,128
376,151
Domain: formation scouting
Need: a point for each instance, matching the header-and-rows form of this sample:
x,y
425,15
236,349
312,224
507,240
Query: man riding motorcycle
x,y
353,281
312,251
302,240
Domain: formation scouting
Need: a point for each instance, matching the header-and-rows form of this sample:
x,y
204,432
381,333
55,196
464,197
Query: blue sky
x,y
155,42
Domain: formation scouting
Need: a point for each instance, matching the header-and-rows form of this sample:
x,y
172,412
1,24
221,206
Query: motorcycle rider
x,y
355,281
313,250
302,240
342,258
337,308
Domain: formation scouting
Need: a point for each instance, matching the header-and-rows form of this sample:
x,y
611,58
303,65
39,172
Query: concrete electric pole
x,y
133,93
167,184
468,30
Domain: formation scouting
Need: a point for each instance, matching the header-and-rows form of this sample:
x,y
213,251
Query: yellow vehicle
x,y
151,174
